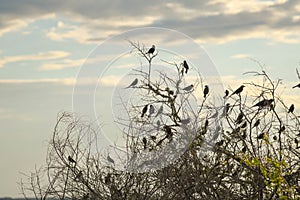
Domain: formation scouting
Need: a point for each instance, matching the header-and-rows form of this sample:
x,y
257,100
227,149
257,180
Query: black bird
x,y
238,91
264,103
145,142
71,160
226,94
226,108
297,86
144,110
206,91
186,66
282,129
239,119
151,50
169,133
110,159
261,136
133,83
188,88
151,110
291,109
256,123
244,125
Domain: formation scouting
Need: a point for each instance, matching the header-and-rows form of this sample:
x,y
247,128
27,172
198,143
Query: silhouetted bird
x,y
206,91
188,88
144,110
264,103
71,160
239,119
186,66
244,125
282,129
151,50
133,83
169,133
206,123
256,123
160,110
238,91
158,124
291,109
145,142
226,94
244,149
110,159
297,86
151,110
226,108
261,136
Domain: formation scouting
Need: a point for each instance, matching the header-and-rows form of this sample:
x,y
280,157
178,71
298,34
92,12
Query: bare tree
x,y
245,148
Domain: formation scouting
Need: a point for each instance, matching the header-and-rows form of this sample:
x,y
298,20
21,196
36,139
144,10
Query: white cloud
x,y
64,81
240,56
49,55
66,63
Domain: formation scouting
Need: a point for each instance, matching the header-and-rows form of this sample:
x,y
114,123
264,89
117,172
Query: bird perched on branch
x,y
239,119
297,86
186,66
188,88
151,50
145,142
291,109
151,110
264,103
144,110
226,94
206,91
109,159
238,91
71,160
133,83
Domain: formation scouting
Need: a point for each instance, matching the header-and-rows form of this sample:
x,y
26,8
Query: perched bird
x,y
206,123
151,50
291,109
169,133
71,160
159,111
144,110
186,66
256,123
133,83
261,136
244,149
206,91
238,91
226,108
145,142
239,119
264,103
297,86
282,129
109,159
188,88
226,94
244,125
151,110
158,124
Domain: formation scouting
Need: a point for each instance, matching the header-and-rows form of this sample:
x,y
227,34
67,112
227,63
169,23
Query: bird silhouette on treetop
x,y
151,50
238,91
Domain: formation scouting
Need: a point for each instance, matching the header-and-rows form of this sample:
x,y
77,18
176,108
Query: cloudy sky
x,y
43,45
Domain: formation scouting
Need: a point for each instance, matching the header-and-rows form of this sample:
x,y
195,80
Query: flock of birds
x,y
169,134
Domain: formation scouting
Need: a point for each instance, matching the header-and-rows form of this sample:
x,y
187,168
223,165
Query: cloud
x,y
239,56
64,81
66,63
215,21
49,55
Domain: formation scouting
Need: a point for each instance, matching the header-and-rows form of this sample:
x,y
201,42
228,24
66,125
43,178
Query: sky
x,y
44,45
